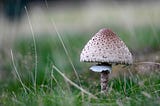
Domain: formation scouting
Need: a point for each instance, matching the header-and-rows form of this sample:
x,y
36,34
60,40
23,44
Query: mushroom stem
x,y
104,81
104,69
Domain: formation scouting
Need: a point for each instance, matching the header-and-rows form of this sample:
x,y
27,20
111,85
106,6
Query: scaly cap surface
x,y
106,46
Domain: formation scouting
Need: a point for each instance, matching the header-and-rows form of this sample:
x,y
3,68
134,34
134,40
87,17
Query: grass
x,y
53,89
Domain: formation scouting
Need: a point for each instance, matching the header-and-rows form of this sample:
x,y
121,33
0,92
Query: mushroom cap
x,y
106,47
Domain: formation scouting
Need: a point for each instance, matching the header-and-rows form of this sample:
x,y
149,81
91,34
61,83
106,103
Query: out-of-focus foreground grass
x,y
52,89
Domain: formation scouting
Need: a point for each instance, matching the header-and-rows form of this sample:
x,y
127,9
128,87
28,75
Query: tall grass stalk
x,y
15,68
64,47
35,48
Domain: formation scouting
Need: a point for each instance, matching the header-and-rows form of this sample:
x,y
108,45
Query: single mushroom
x,y
105,48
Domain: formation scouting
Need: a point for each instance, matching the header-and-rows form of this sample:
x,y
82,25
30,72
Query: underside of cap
x,y
100,68
106,47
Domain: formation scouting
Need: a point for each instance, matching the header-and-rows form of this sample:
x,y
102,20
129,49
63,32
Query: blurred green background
x,y
135,22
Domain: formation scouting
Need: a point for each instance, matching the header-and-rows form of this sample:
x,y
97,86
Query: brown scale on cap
x,y
106,46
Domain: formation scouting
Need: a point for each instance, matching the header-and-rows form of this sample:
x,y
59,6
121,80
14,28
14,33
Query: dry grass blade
x,y
15,68
64,47
66,51
148,62
53,77
74,84
147,67
35,48
146,94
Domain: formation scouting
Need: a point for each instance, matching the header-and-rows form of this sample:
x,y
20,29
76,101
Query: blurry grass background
x,y
136,25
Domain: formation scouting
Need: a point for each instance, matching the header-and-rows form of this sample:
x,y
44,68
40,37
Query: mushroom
x,y
105,48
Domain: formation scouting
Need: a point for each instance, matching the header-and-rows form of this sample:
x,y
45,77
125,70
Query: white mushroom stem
x,y
104,70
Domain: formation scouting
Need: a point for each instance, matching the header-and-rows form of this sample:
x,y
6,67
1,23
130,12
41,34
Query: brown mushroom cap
x,y
106,47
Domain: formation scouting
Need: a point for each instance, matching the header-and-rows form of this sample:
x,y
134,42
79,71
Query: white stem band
x,y
99,68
